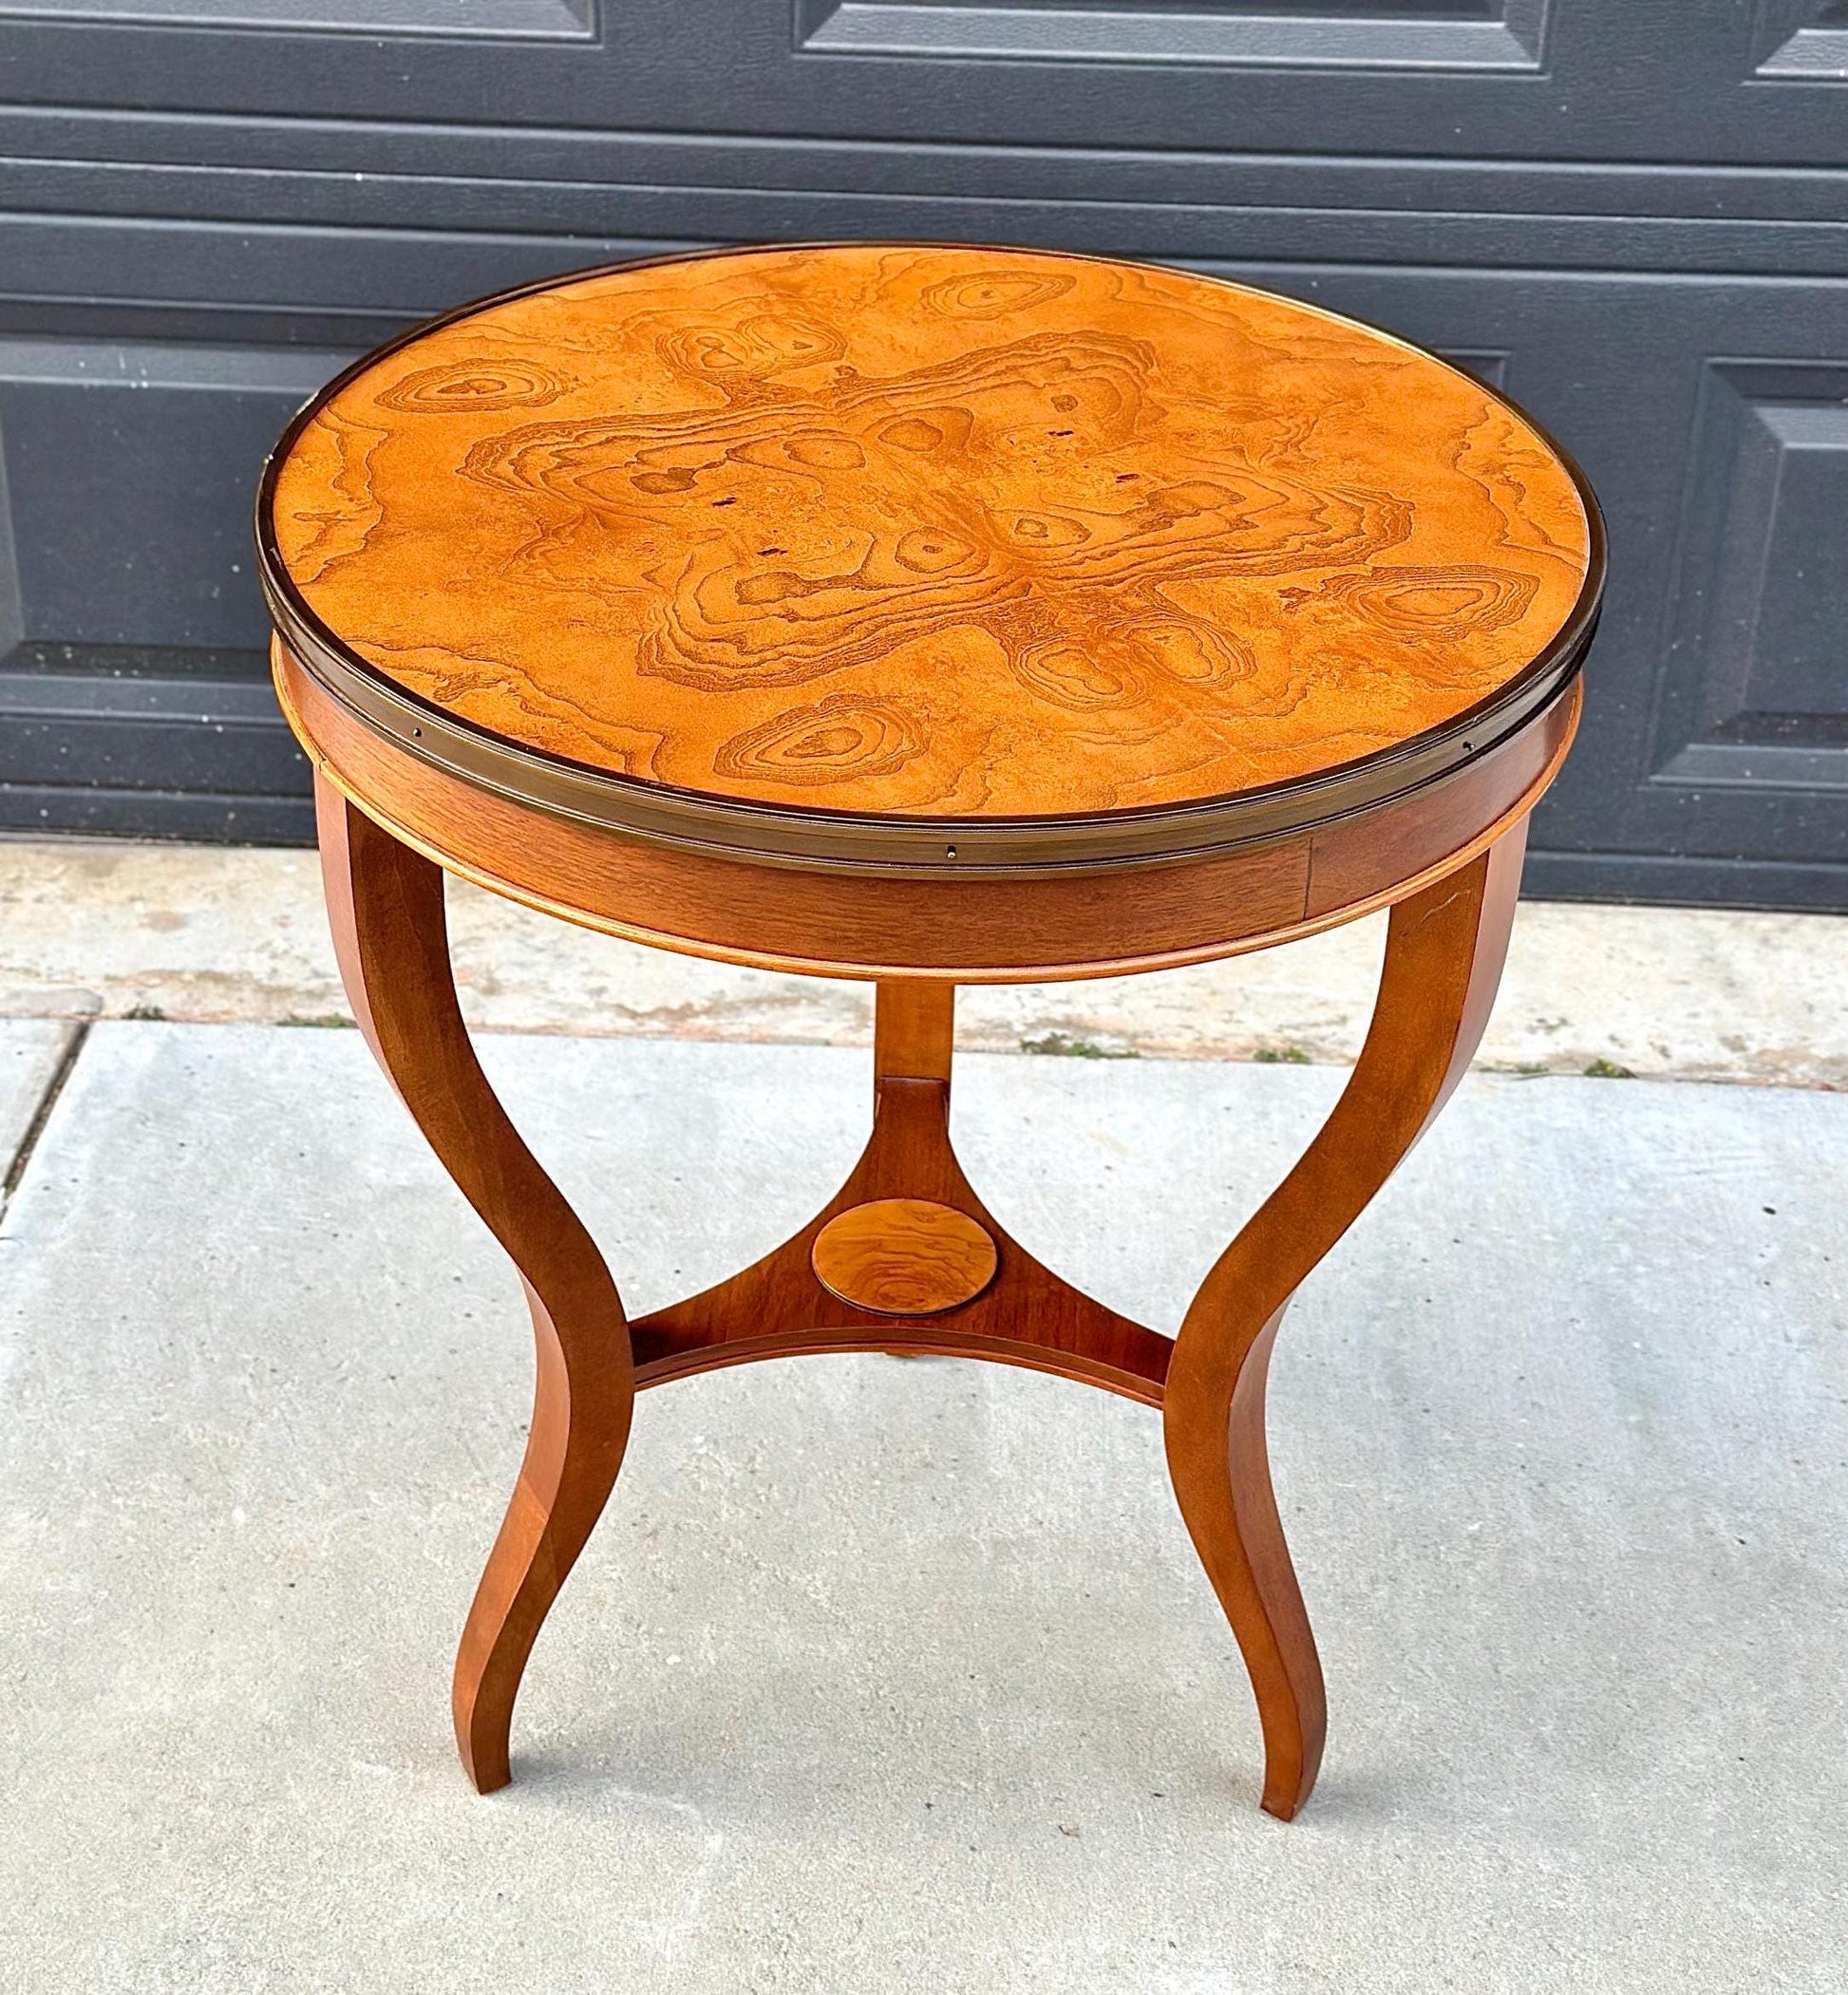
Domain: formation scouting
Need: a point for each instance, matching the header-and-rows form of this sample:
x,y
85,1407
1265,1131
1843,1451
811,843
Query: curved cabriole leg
x,y
385,904
1443,960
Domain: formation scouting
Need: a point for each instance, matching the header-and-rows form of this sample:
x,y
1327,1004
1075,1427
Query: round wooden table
x,y
933,615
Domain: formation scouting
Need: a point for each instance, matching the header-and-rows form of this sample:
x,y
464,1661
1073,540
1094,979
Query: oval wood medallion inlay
x,y
904,1257
929,531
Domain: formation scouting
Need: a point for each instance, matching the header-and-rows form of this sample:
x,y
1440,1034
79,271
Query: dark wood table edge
x,y
1302,920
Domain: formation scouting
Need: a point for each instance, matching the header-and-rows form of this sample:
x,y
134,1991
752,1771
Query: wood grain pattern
x,y
904,1257
931,531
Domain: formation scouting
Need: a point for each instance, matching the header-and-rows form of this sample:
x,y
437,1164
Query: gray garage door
x,y
1632,214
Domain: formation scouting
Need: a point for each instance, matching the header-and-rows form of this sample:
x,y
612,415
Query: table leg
x,y
1443,958
386,908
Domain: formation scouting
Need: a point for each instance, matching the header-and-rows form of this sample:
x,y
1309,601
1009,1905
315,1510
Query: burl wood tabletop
x,y
932,531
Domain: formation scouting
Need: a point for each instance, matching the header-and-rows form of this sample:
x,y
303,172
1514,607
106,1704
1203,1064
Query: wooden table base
x,y
1443,958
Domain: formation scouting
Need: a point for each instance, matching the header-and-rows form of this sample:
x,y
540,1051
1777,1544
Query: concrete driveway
x,y
900,1675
